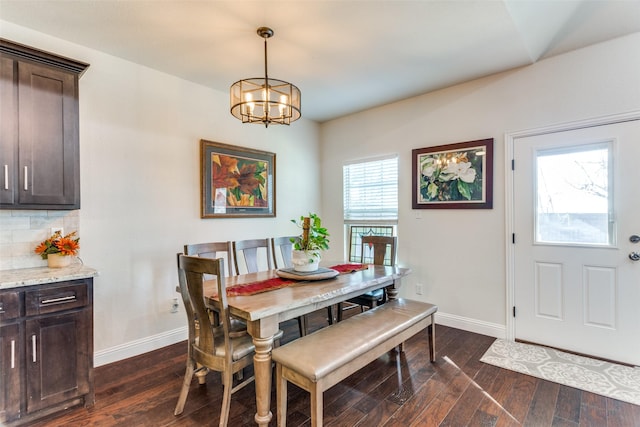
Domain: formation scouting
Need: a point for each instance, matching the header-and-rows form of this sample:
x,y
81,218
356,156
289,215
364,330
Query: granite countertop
x,y
43,275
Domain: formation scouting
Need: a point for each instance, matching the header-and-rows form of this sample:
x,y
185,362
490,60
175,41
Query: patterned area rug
x,y
604,378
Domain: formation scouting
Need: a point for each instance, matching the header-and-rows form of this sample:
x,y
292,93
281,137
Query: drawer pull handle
x,y
13,354
26,178
57,300
33,348
6,177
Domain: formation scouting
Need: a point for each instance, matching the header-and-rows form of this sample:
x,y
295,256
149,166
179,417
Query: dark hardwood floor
x,y
395,390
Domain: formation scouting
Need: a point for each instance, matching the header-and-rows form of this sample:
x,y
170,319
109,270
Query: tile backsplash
x,y
22,230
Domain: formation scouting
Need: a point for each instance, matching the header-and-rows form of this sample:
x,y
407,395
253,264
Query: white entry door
x,y
576,245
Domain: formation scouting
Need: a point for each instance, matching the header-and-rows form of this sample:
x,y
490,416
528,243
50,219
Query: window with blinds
x,y
371,190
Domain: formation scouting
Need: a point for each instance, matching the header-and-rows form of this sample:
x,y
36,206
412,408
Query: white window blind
x,y
371,190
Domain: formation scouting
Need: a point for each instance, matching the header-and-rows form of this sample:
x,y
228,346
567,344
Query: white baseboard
x,y
471,325
144,345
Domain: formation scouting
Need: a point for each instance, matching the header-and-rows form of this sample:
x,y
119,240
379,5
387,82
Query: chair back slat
x,y
380,245
190,275
284,246
248,250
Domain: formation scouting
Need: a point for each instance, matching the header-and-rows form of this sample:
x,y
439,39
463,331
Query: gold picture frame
x,y
453,176
236,181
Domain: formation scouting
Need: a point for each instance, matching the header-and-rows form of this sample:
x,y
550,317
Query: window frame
x,y
378,224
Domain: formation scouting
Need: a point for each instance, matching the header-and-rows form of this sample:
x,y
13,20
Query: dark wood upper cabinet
x,y
39,136
8,130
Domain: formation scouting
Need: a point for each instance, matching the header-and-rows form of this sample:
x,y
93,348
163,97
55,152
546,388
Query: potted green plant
x,y
307,247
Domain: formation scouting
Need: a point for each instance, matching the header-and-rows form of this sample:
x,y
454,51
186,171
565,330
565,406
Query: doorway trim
x,y
510,139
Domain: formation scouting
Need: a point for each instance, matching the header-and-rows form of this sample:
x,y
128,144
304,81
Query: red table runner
x,y
259,286
277,282
349,268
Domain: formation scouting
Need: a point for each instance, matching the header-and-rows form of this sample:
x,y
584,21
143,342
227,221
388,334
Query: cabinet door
x,y
8,131
48,170
10,362
57,365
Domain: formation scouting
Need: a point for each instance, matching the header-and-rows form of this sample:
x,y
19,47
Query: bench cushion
x,y
326,350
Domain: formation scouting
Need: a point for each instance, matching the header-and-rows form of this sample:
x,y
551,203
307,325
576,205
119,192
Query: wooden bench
x,y
320,360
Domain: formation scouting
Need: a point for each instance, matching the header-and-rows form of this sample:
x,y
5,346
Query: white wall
x,y
140,170
459,255
139,136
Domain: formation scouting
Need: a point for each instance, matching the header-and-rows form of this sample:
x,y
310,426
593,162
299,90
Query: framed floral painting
x,y
453,176
236,181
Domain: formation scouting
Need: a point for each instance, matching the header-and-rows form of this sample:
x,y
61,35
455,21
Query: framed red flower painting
x,y
236,181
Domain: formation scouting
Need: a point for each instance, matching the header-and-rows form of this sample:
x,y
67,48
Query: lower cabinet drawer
x,y
9,305
57,298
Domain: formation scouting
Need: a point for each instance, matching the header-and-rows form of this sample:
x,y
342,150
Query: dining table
x,y
265,310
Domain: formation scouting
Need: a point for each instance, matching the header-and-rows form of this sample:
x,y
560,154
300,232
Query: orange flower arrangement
x,y
57,244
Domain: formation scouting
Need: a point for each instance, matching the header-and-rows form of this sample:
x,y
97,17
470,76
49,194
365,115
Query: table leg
x,y
262,333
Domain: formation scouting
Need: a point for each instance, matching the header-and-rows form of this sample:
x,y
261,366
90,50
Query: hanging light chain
x,y
267,107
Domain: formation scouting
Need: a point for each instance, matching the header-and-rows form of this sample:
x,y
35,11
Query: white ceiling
x,y
345,56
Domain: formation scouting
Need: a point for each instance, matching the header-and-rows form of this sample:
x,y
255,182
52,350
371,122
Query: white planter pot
x,y
305,261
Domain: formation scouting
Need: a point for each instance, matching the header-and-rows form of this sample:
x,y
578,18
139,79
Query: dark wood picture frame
x,y
236,181
453,176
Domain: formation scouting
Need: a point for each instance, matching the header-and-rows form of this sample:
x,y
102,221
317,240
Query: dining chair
x,y
254,252
210,347
215,250
379,247
249,250
212,250
282,248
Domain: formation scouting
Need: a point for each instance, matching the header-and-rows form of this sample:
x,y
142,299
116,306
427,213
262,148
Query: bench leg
x,y
281,397
316,405
432,339
302,325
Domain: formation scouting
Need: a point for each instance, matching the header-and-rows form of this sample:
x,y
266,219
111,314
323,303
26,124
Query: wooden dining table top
x,y
302,296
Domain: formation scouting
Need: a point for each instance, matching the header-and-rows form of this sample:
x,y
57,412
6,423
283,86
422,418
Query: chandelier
x,y
265,100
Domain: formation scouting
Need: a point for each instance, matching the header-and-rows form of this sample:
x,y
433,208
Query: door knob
x,y
634,238
634,256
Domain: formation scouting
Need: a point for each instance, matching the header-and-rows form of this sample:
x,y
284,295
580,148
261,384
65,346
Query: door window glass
x,y
574,195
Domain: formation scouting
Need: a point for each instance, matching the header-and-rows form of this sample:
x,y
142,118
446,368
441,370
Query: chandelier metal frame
x,y
263,99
